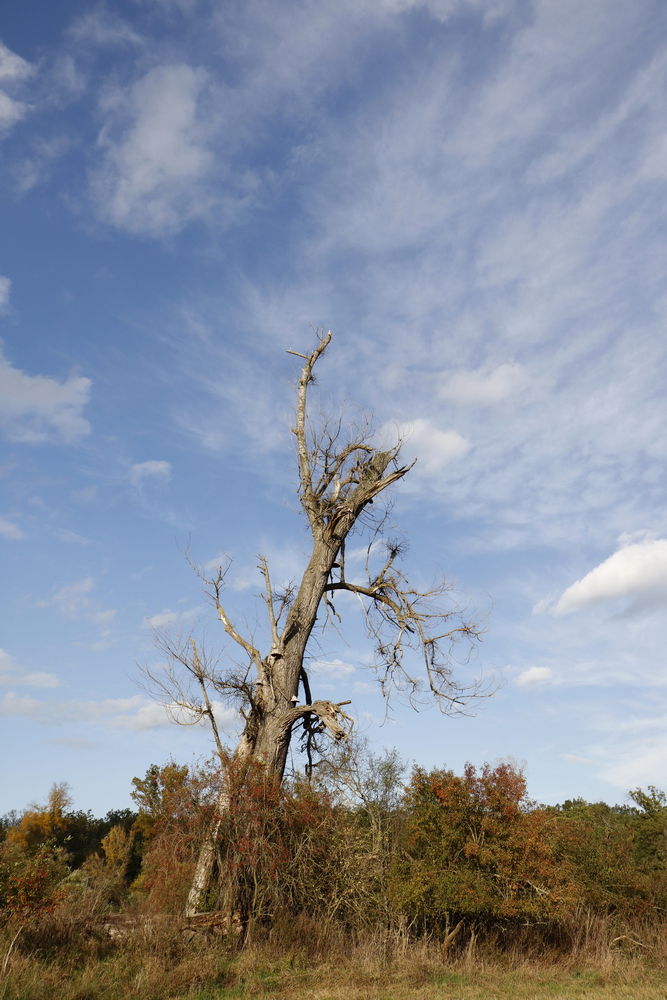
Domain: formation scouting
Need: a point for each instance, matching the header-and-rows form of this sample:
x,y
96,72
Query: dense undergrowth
x,y
353,873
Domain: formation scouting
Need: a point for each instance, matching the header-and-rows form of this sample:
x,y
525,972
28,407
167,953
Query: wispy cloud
x,y
13,72
285,562
434,448
12,672
74,603
5,289
104,29
155,152
134,714
150,470
467,252
638,755
534,675
483,388
72,537
167,617
332,668
9,529
573,758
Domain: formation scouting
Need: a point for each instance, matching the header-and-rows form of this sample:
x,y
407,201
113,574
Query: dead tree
x,y
341,473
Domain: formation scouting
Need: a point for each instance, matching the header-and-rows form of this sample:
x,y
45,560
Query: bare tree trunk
x,y
268,729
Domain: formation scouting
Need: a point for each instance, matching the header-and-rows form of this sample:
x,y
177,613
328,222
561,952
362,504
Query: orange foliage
x,y
42,823
475,845
276,842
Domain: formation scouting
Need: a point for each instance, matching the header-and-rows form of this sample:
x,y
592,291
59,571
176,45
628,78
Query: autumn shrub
x,y
176,806
288,848
367,862
31,882
476,847
281,847
79,833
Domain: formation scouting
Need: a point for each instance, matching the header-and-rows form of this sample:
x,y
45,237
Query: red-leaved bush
x,y
279,846
30,883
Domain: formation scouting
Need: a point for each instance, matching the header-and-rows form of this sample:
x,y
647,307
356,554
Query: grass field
x,y
482,984
206,972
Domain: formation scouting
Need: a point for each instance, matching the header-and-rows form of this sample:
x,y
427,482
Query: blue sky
x,y
471,195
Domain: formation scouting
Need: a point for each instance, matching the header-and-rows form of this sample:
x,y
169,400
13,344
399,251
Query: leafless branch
x,y
215,586
181,683
431,622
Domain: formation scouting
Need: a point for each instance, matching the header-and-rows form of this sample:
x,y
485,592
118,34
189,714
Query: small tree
x,y
342,473
40,824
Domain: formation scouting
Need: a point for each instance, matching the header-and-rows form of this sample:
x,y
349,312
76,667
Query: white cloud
x,y
156,716
36,408
636,571
572,758
217,562
434,448
73,603
12,66
162,618
362,552
121,713
498,265
286,564
5,289
135,714
37,166
101,28
187,6
13,71
331,668
72,536
534,675
484,388
10,530
167,617
85,495
148,716
160,133
155,152
150,470
14,673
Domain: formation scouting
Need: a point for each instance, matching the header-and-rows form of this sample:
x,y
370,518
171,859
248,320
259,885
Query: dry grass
x,y
303,960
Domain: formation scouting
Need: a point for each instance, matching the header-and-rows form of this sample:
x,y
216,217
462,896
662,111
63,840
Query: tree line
x,y
360,844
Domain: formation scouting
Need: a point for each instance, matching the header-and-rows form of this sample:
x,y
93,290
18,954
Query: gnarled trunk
x,y
273,712
341,472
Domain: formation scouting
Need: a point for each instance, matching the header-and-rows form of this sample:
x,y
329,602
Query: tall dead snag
x,y
342,471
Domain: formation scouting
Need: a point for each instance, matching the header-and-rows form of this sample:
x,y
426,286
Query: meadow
x,y
359,884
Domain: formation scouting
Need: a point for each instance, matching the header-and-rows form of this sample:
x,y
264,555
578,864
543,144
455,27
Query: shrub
x,y
280,847
475,846
30,883
176,807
